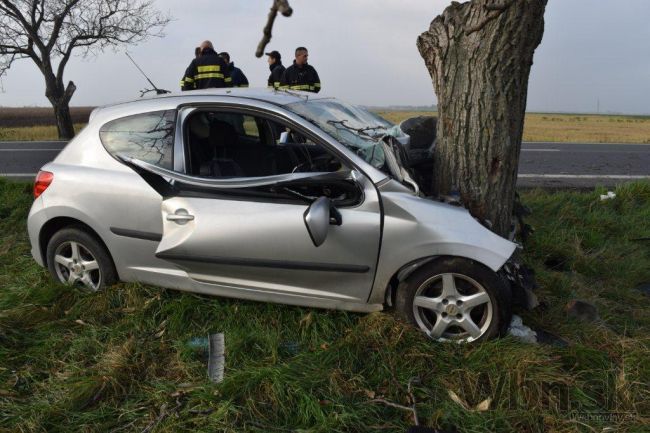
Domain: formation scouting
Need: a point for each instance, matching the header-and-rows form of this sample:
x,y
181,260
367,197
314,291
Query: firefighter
x,y
300,75
238,77
207,70
277,69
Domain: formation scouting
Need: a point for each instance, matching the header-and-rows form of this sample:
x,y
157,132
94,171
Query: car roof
x,y
168,100
276,97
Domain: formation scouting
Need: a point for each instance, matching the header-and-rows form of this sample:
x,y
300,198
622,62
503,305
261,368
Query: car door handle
x,y
180,217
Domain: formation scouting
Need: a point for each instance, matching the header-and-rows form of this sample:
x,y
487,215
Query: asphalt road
x,y
553,165
582,165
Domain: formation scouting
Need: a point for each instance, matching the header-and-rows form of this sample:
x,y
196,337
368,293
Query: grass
x,y
570,128
120,360
33,133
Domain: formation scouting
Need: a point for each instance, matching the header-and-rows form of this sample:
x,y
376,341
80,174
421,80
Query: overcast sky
x,y
364,51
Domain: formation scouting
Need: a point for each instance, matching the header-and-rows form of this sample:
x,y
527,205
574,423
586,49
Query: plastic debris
x,y
545,337
289,348
520,331
216,358
608,196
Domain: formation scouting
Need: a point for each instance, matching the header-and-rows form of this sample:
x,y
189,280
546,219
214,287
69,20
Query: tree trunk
x,y
60,97
479,55
63,120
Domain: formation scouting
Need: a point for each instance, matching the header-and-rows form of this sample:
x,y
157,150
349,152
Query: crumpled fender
x,y
415,228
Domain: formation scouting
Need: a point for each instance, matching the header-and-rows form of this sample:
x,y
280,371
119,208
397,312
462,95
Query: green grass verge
x,y
121,359
33,133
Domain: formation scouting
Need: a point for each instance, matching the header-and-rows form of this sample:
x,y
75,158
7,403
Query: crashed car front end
x,y
417,226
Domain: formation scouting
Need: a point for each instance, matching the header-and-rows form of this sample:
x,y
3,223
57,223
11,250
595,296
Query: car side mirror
x,y
284,137
318,217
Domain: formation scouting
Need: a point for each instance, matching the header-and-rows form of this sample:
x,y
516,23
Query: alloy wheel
x,y
75,264
452,307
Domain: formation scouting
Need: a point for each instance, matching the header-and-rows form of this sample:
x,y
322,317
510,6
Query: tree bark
x,y
64,123
479,55
60,97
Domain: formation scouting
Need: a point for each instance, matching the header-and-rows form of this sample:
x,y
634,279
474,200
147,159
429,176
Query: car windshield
x,y
355,127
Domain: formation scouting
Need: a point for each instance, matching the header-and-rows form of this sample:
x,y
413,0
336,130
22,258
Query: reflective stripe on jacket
x,y
302,77
208,70
277,69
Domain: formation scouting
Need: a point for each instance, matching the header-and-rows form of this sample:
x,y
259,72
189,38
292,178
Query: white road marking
x,y
583,176
17,174
577,142
540,150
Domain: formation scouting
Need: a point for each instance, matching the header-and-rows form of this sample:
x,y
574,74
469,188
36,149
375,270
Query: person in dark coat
x,y
238,77
277,69
300,75
207,70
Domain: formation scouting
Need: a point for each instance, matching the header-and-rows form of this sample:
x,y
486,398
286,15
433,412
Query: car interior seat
x,y
222,140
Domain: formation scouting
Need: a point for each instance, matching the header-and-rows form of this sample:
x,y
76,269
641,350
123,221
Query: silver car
x,y
270,196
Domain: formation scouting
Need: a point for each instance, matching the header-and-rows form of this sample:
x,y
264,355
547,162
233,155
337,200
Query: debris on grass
x,y
545,337
481,407
216,359
610,195
520,331
412,408
289,348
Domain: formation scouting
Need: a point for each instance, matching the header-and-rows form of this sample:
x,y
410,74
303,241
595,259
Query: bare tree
x,y
49,31
479,55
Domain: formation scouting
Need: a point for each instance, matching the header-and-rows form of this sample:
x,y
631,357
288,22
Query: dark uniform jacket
x,y
208,70
302,77
238,77
277,69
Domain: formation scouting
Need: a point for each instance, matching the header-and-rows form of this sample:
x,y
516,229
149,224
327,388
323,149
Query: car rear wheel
x,y
75,257
455,299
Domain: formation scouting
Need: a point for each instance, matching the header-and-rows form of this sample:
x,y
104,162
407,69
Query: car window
x,y
148,137
230,145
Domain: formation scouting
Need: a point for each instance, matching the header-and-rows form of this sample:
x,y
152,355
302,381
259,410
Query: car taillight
x,y
43,180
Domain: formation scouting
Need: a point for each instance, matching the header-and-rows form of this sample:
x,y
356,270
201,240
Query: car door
x,y
251,234
266,245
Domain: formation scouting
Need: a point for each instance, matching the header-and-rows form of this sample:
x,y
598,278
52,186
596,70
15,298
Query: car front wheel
x,y
455,299
75,257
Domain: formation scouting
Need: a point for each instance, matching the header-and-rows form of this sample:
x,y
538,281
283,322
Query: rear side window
x,y
148,137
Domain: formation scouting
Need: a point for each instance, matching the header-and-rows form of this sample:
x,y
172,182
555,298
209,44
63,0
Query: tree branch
x,y
58,23
278,5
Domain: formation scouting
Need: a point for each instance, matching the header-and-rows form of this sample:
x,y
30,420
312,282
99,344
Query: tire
x,y
75,257
476,307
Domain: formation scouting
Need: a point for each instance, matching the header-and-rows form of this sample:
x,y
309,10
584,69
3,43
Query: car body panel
x,y
416,228
124,201
279,255
391,228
